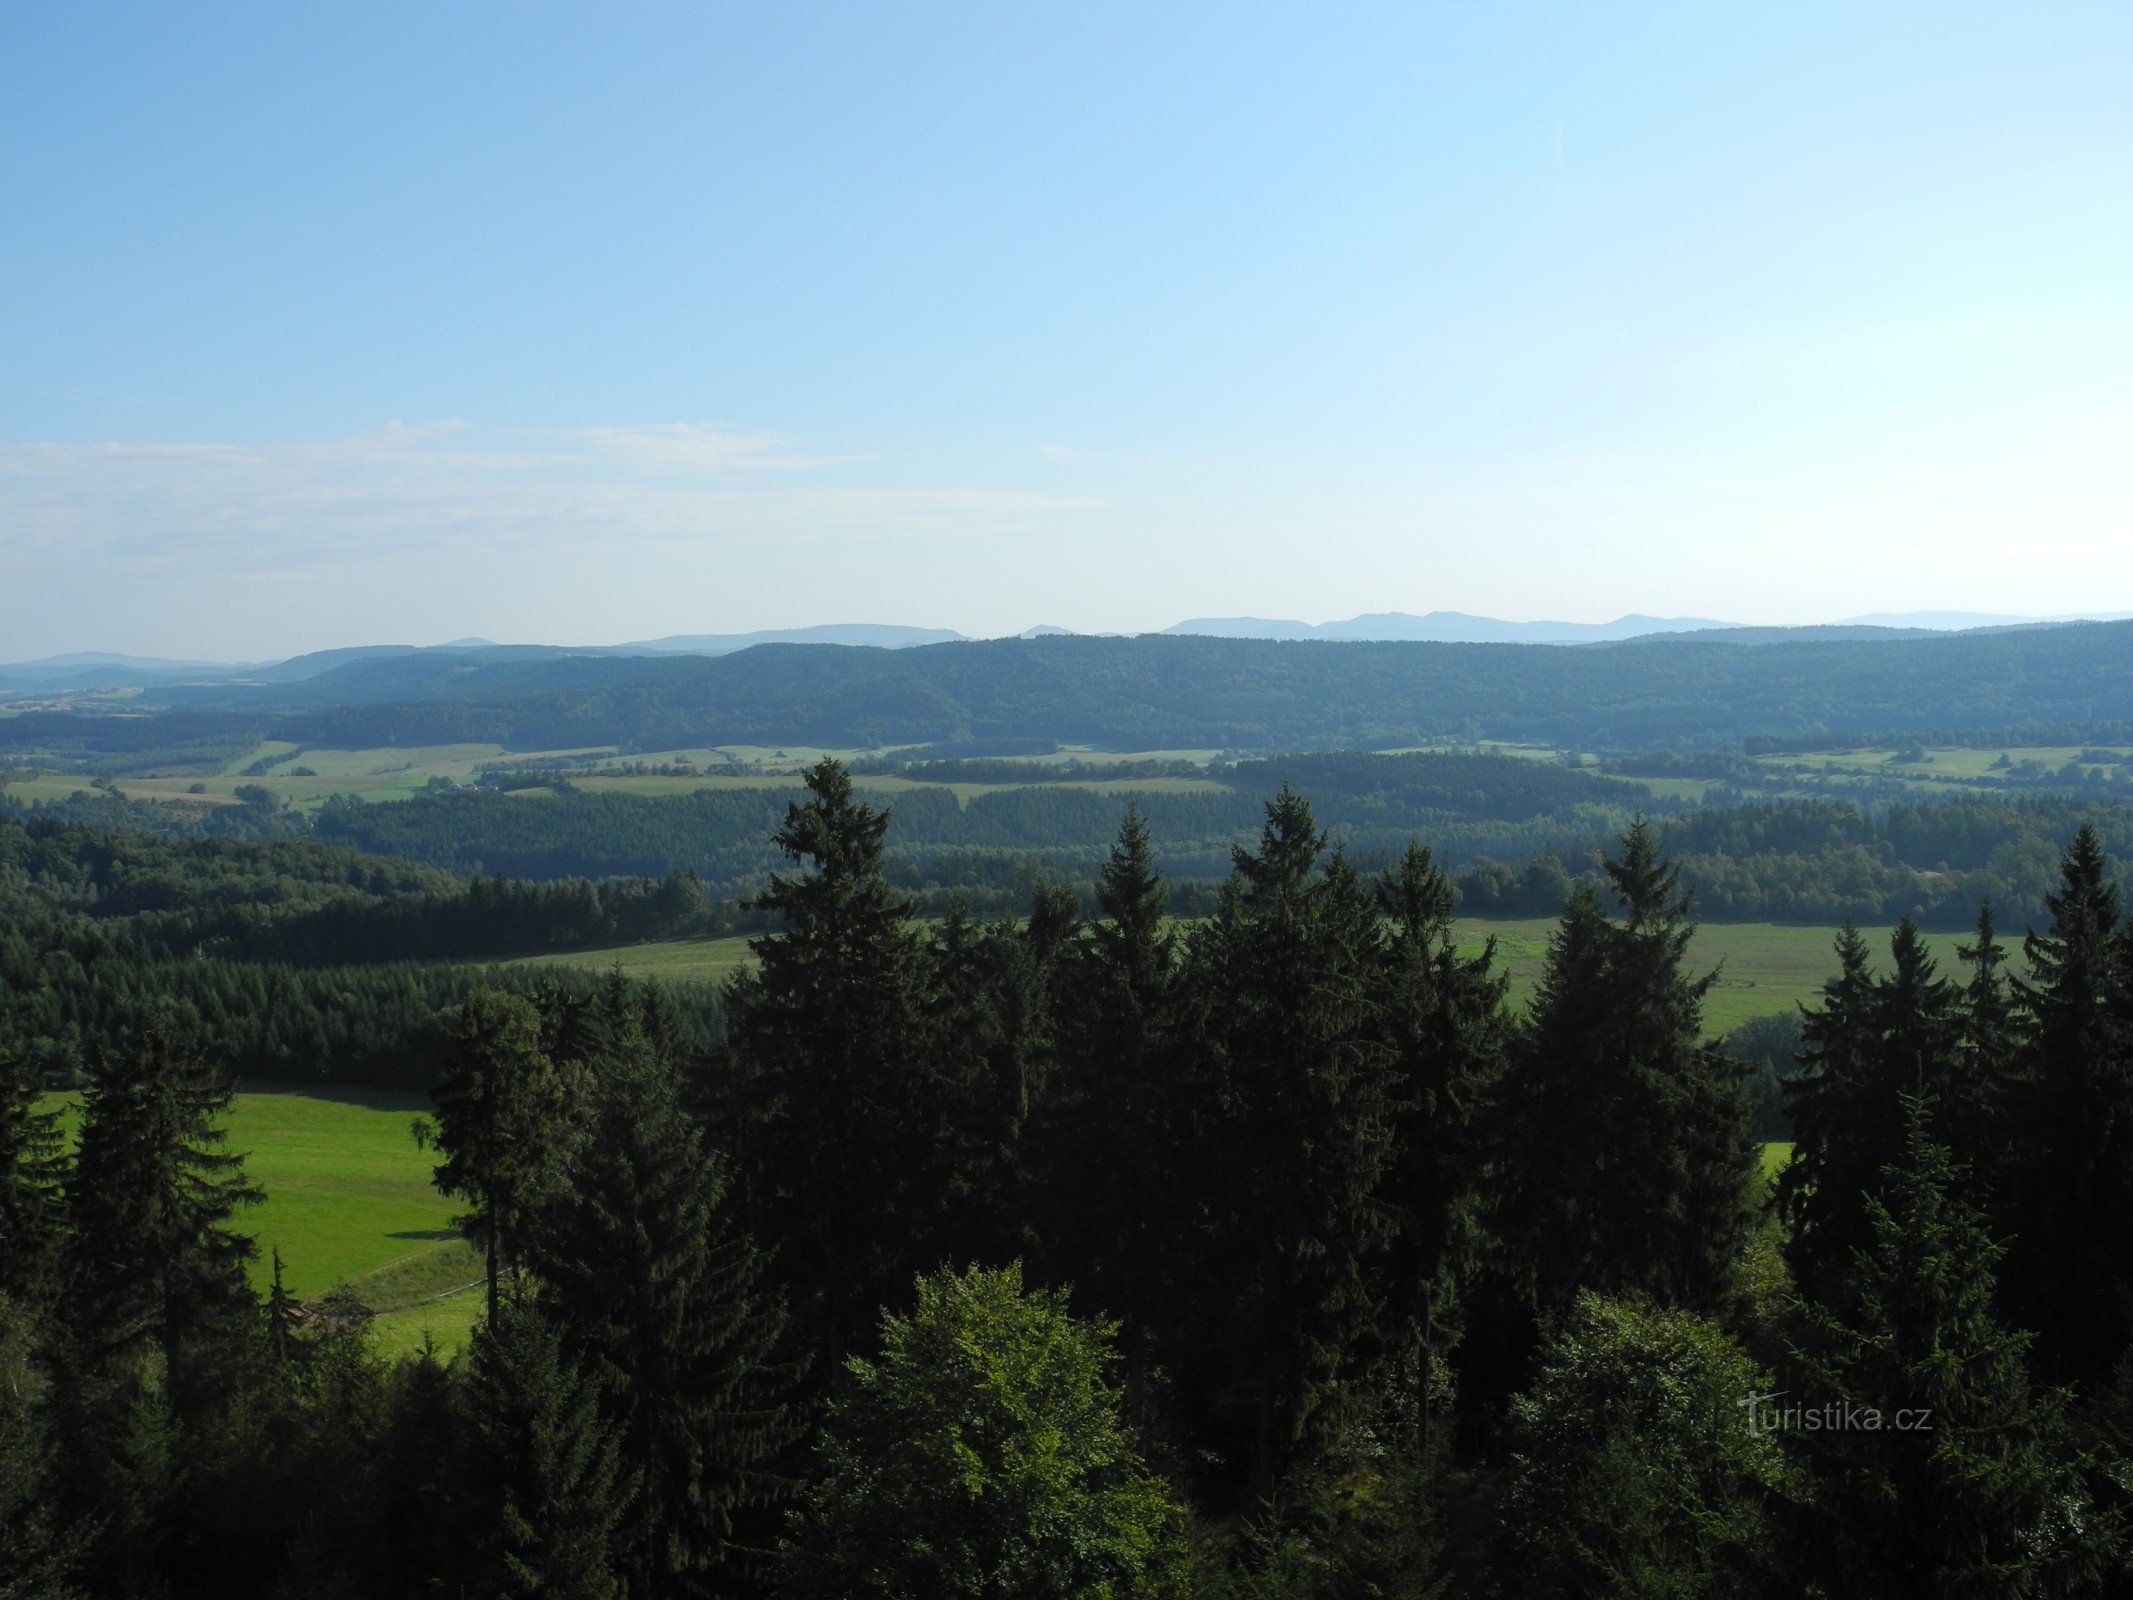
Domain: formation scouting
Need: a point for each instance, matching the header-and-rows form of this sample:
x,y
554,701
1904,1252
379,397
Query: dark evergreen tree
x,y
1876,1045
546,1493
150,1196
502,1123
1293,1140
424,1463
1985,1066
1451,1032
845,1128
160,1323
33,1170
1113,1126
989,1021
1948,1473
656,1288
2067,1199
1839,1054
37,1557
283,1318
1631,1152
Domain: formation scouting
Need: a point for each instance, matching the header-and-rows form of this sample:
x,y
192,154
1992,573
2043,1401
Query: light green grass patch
x,y
670,961
657,784
1764,967
445,1322
1691,789
791,758
1940,765
348,1194
47,787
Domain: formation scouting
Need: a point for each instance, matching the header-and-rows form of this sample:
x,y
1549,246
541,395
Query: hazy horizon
x,y
580,328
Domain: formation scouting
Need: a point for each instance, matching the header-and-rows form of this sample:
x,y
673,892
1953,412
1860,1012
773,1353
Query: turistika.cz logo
x,y
1765,1415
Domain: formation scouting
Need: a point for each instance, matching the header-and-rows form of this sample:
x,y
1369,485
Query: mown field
x,y
305,778
349,1200
1764,967
1940,767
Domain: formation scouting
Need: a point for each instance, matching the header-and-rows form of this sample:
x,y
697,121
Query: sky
x,y
325,325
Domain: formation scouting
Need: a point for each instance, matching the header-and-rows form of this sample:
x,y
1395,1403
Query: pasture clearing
x,y
891,784
1942,765
349,1200
1764,967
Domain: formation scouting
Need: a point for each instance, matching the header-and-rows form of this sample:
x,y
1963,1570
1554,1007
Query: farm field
x,y
670,961
349,1200
1941,766
304,778
887,784
1764,967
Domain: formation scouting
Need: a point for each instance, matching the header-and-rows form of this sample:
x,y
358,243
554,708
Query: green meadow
x,y
1763,967
349,1200
1937,767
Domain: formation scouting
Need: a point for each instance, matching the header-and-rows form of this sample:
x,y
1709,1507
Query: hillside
x,y
1159,691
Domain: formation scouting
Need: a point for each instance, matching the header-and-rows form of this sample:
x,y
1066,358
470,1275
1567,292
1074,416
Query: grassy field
x,y
1932,768
674,961
885,784
349,1200
1764,967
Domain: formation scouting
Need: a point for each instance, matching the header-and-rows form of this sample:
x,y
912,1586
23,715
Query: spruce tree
x,y
1816,1192
1451,1033
282,1316
150,1197
502,1123
1986,1064
37,1556
2067,1195
1946,1471
546,1491
1293,1138
1630,1152
989,1017
159,1319
655,1287
845,1128
33,1169
1114,1124
1877,1044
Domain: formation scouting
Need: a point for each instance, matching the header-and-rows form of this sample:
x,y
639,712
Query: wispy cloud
x,y
444,528
404,490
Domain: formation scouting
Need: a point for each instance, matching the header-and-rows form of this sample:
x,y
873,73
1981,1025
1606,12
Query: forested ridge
x,y
1082,1253
1156,692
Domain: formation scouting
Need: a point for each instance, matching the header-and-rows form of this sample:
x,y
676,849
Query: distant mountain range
x,y
86,671
886,636
1444,627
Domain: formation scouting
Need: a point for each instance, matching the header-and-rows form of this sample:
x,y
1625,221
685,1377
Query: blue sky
x,y
327,325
